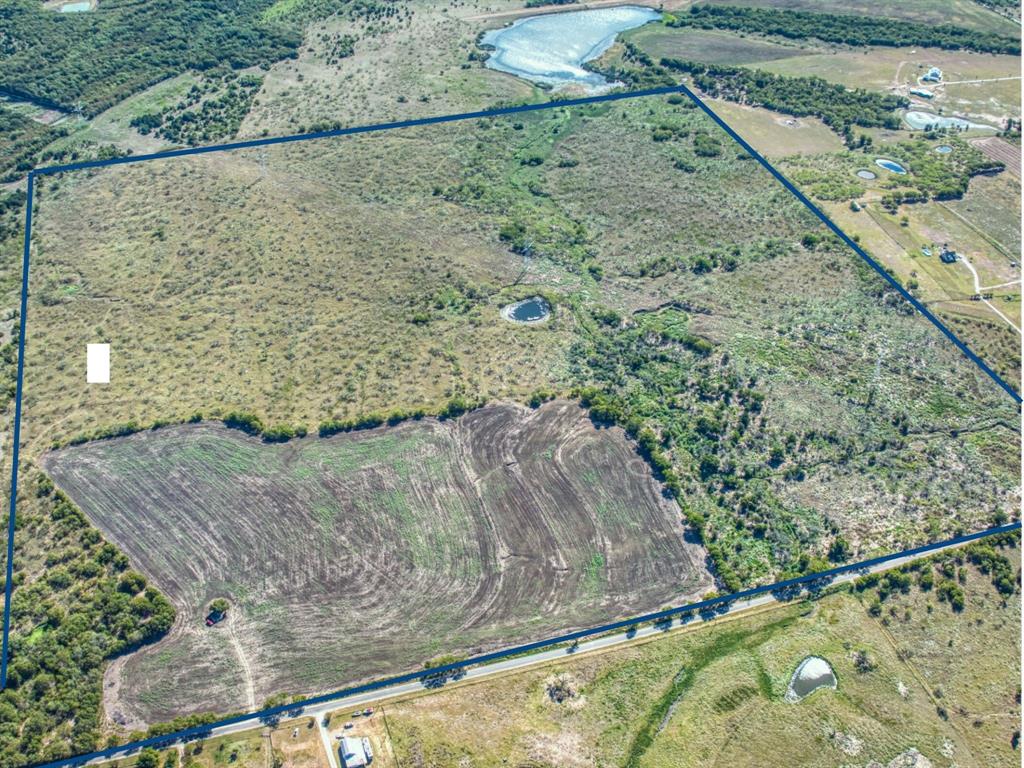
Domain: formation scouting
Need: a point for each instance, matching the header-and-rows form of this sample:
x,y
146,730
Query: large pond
x,y
813,673
551,49
532,310
890,165
921,121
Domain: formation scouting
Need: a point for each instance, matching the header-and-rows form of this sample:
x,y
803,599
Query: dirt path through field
x,y
250,687
978,289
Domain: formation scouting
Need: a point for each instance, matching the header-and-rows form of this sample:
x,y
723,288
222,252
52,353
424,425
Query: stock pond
x,y
890,165
551,49
813,673
532,310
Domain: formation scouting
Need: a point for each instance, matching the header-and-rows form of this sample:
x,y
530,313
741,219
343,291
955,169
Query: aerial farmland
x,y
347,557
327,409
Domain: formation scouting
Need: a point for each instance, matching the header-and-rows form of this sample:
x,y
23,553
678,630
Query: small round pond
x,y
532,310
890,165
944,149
864,173
813,673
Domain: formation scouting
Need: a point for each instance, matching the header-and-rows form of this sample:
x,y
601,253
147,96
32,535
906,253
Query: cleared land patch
x,y
370,552
709,46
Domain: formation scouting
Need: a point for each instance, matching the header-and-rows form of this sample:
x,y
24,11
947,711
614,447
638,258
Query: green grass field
x,y
715,695
710,46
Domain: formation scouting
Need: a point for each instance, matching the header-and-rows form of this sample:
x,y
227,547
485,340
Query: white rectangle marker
x,y
97,363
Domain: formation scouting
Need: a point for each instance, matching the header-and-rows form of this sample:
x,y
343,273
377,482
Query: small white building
x,y
934,75
355,752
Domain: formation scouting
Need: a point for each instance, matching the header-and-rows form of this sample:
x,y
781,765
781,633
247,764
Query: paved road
x,y
362,700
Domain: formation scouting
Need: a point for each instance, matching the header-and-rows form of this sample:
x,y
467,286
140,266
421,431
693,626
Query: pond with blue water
x,y
552,49
80,7
532,310
890,165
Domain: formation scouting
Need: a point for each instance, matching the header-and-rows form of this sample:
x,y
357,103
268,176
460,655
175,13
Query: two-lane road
x,y
559,653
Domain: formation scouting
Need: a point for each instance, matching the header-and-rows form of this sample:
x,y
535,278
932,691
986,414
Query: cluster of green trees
x,y
213,109
713,260
935,176
455,407
79,607
848,29
838,107
90,61
9,369
698,423
301,12
21,140
945,573
252,424
338,46
12,214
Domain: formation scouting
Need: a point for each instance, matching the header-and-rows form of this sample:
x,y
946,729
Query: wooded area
x,y
843,28
90,61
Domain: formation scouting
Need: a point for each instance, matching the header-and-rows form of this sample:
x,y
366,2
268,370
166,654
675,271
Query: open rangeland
x,y
792,393
912,676
361,554
794,405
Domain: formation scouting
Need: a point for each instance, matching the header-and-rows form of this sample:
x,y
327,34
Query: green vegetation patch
x,y
86,608
21,139
212,109
843,28
52,58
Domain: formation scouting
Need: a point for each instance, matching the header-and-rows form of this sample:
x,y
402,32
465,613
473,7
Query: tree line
x,y
843,28
838,107
85,607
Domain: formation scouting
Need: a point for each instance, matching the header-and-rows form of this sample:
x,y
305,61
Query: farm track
x,y
250,686
367,553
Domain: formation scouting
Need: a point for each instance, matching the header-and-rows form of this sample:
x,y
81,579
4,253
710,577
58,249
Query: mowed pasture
x,y
368,553
711,46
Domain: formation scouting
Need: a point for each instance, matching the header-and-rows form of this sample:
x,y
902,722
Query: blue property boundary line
x,y
202,731
9,580
850,242
128,160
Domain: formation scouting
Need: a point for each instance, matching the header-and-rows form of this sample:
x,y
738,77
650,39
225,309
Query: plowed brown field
x,y
367,553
